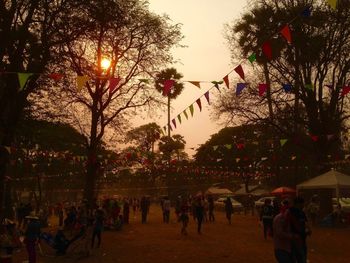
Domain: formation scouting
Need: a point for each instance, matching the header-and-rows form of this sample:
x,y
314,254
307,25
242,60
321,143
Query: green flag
x,y
185,113
252,58
179,117
191,110
283,142
22,78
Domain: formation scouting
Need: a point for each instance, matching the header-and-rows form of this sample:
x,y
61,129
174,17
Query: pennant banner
x,y
206,95
227,82
252,58
199,103
240,87
56,76
196,83
174,122
81,81
191,109
168,84
113,82
267,50
179,118
287,87
240,71
262,89
185,113
22,78
285,31
345,90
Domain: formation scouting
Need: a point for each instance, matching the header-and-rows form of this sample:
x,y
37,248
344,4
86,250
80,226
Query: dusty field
x,y
242,241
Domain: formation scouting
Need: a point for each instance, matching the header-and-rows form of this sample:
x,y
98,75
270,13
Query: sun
x,y
105,63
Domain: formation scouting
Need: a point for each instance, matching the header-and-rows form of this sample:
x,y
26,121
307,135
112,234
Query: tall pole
x,y
169,115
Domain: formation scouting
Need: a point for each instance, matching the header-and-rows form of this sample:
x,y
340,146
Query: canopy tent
x,y
283,190
252,190
330,180
218,191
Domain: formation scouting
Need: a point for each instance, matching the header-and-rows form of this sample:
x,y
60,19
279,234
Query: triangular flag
x,y
174,122
267,50
199,104
306,12
196,83
185,113
332,3
252,58
179,118
168,84
283,142
309,86
8,149
215,147
314,138
22,78
113,82
240,71
81,81
287,87
55,76
216,84
227,82
144,80
346,90
240,87
285,31
164,129
240,146
191,109
262,89
228,146
206,95
170,128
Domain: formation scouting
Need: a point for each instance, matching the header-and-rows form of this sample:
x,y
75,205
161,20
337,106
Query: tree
x,y
316,58
144,136
137,42
173,145
30,33
161,77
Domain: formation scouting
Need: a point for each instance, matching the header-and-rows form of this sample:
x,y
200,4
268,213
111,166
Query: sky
x,y
206,58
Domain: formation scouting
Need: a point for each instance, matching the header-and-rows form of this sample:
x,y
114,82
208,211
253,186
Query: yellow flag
x,y
333,3
81,81
22,78
196,83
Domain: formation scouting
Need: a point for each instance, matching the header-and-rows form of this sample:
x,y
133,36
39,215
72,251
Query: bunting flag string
x,y
287,87
345,90
252,58
239,71
285,31
267,50
22,79
240,87
179,118
185,113
262,89
81,81
196,83
174,122
199,103
113,83
191,109
227,81
207,96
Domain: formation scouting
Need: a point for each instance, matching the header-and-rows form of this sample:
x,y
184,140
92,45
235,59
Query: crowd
x,y
284,221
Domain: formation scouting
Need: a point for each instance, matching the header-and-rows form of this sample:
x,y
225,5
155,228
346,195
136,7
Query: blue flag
x,y
240,87
306,12
287,87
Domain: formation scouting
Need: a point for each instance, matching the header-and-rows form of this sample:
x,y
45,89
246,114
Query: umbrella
x,y
283,190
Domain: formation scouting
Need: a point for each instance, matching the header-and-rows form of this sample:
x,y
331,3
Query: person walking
x,y
282,238
32,235
266,217
183,217
144,209
98,227
211,208
228,209
200,211
166,209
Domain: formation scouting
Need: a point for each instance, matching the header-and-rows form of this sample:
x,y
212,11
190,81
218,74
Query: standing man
x,y
98,227
32,235
200,213
228,209
266,217
211,208
166,209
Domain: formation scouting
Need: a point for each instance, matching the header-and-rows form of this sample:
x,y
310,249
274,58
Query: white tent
x,y
330,180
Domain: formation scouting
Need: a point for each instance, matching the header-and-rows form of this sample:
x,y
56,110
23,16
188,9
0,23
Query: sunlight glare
x,y
105,63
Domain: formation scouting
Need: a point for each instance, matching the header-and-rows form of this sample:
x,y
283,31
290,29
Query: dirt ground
x,y
156,242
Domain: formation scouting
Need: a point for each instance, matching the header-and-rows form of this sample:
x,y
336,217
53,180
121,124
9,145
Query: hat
x,y
32,215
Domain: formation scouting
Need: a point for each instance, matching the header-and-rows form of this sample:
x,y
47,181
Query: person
x,y
126,211
9,240
211,208
228,209
299,226
282,238
32,235
98,227
200,213
60,242
313,209
266,217
183,216
166,209
144,209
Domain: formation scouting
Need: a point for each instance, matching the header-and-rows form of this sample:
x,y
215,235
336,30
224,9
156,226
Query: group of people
x,y
287,224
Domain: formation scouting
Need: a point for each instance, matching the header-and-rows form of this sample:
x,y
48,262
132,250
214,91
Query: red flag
x,y
262,89
227,82
240,71
207,96
267,50
199,104
113,82
55,76
285,31
346,90
174,122
168,84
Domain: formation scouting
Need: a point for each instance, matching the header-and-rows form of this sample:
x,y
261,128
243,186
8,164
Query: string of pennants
x,y
262,87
